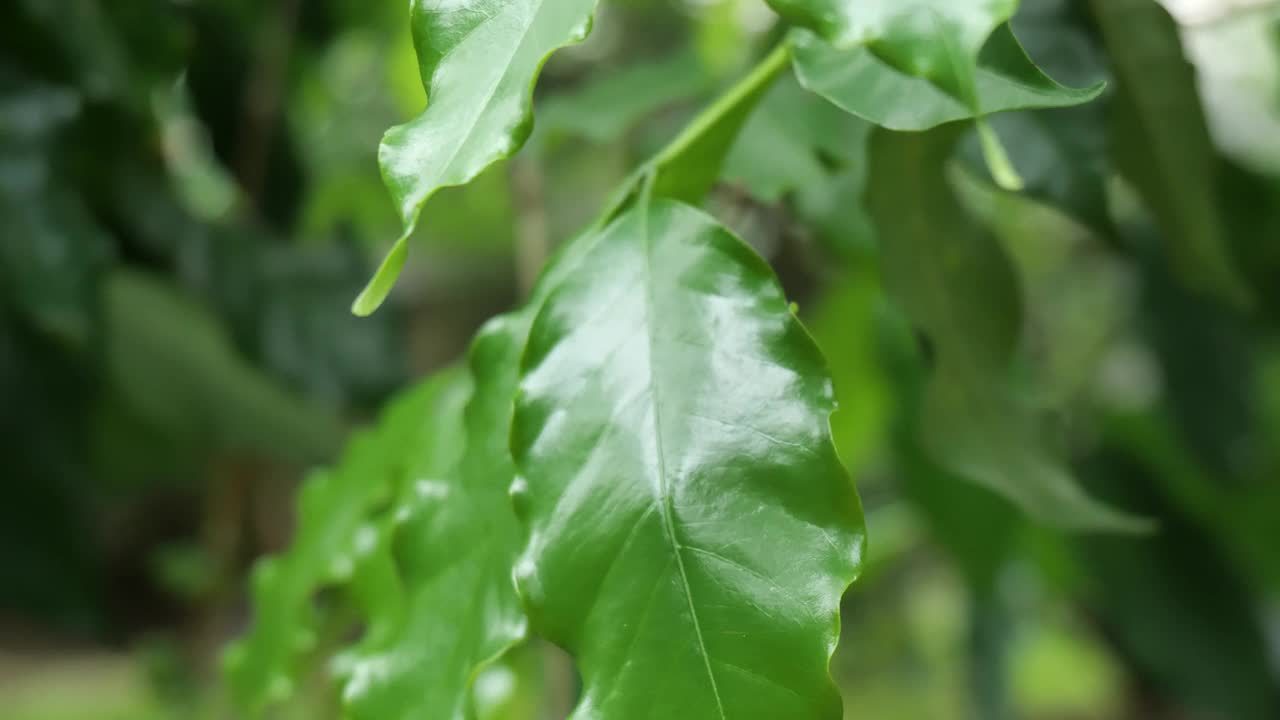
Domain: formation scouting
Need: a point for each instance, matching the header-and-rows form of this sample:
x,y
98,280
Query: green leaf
x,y
783,144
863,83
200,386
335,509
613,102
956,286
480,60
691,528
916,64
689,166
1160,142
460,539
455,545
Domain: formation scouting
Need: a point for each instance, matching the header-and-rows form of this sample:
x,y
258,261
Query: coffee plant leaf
x,y
691,529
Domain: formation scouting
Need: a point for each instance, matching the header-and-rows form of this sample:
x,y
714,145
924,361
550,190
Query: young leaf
x,y
1161,141
334,509
691,528
957,287
479,59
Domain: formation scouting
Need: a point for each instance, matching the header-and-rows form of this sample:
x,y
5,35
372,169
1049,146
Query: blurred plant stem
x,y
262,97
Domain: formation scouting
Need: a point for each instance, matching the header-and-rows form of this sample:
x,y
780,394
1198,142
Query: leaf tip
x,y
379,286
998,162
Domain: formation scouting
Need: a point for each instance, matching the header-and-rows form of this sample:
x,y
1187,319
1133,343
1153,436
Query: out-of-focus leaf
x,y
336,534
52,252
173,364
642,449
479,62
612,102
844,323
689,166
781,147
1160,141
957,287
52,257
1175,607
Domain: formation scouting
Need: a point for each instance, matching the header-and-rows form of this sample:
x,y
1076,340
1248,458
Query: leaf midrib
x,y
665,499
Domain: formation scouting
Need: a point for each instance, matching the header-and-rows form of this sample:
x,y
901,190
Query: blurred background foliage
x,y
189,199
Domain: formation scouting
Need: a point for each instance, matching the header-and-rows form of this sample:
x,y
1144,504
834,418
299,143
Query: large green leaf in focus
x,y
479,60
1160,141
955,284
335,510
691,528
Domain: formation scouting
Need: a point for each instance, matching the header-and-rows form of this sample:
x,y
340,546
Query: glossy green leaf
x,y
865,84
667,396
958,288
1161,141
335,510
479,60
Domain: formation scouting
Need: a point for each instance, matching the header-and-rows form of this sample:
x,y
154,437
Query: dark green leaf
x,y
957,287
667,397
1161,142
173,363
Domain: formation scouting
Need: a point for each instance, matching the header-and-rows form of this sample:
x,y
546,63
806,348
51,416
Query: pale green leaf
x,y
669,401
335,509
479,60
